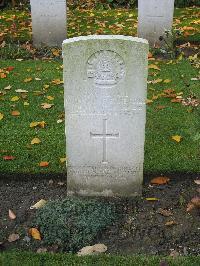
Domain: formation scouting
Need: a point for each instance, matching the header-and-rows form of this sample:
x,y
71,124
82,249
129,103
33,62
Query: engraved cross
x,y
104,136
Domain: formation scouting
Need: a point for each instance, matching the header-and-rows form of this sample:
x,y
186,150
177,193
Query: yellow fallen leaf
x,y
27,80
62,160
46,86
57,81
35,141
177,138
15,113
167,81
1,116
39,204
11,215
152,66
40,124
50,98
34,232
148,101
55,52
26,104
152,199
14,99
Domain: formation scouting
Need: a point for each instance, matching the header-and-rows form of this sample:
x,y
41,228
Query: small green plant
x,y
73,223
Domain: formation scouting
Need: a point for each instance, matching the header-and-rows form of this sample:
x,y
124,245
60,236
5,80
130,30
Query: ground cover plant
x,y
32,146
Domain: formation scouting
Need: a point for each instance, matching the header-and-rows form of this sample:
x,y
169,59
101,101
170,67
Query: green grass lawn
x,y
162,154
31,259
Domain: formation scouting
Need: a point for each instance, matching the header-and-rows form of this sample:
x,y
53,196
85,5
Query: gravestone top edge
x,y
106,37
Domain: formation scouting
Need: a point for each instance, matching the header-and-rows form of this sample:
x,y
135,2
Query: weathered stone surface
x,y
154,18
48,22
105,81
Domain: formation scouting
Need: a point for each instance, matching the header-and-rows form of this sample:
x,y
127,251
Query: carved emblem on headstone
x,y
106,68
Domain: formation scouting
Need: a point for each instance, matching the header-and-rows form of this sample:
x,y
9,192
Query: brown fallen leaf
x,y
91,250
9,158
13,238
11,215
161,180
193,204
34,232
15,113
169,223
164,212
44,164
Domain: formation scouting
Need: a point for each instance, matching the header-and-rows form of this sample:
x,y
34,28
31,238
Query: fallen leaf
x,y
40,124
91,250
8,87
148,101
47,105
174,254
152,199
57,81
27,80
21,91
160,107
62,160
167,81
152,66
1,116
197,181
164,212
177,138
44,164
19,59
37,79
26,104
193,204
161,180
39,204
10,68
35,141
15,113
9,158
13,238
11,215
14,99
51,98
169,223
34,232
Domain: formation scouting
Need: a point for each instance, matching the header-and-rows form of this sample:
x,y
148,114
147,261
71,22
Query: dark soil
x,y
141,228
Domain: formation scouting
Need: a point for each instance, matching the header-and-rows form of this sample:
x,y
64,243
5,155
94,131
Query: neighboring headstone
x,y
154,18
48,22
105,79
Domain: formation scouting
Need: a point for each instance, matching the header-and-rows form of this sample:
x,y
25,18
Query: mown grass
x,y
162,154
30,259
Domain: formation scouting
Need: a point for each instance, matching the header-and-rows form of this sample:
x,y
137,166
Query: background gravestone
x,y
154,17
48,22
105,81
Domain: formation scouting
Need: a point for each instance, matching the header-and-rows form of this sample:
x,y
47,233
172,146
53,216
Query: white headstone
x,y
48,22
105,79
154,18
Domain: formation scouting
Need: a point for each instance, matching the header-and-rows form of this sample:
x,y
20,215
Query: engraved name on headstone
x,y
105,79
154,18
48,22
